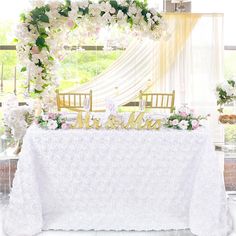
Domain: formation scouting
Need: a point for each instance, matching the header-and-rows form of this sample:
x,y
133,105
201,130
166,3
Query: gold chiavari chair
x,y
158,100
74,101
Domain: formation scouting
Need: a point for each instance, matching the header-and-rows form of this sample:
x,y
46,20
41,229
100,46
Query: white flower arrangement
x,y
226,92
43,31
17,118
52,121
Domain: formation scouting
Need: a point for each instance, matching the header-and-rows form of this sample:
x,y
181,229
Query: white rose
x,y
45,117
183,124
83,4
53,5
156,18
107,16
120,14
148,15
132,10
153,11
195,124
52,124
38,87
175,122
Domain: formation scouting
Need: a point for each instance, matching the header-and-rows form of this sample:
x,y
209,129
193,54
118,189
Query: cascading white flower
x,y
83,4
41,41
120,15
37,3
132,10
94,9
107,8
16,117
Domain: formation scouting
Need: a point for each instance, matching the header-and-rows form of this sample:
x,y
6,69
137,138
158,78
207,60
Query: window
x,y
227,7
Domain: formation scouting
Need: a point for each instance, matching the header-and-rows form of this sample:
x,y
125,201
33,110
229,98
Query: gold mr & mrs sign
x,y
113,122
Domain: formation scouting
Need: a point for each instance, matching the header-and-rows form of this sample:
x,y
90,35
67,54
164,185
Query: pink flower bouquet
x,y
184,119
52,121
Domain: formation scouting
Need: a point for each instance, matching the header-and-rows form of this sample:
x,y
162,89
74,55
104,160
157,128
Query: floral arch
x,y
42,33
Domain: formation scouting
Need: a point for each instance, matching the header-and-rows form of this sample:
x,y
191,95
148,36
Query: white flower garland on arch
x,y
42,33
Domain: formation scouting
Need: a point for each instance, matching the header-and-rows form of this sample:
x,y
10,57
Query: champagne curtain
x,y
197,68
189,61
143,65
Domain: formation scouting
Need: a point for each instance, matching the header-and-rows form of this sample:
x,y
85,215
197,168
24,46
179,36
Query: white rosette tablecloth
x,y
117,180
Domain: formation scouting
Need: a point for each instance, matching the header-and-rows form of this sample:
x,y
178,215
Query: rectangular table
x,y
117,180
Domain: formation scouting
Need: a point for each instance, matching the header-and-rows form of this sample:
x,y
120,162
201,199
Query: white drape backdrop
x,y
190,62
197,69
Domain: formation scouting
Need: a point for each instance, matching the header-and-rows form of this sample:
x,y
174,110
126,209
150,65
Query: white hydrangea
x,y
14,117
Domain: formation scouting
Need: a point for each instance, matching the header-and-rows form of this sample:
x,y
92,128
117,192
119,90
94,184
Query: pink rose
x,y
192,111
65,126
70,23
183,113
175,122
35,50
61,57
51,115
195,124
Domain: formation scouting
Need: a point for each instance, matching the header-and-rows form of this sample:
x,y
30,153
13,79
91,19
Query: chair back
x,y
74,101
158,100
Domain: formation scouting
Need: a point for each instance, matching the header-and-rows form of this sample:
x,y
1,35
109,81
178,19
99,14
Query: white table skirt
x,y
117,180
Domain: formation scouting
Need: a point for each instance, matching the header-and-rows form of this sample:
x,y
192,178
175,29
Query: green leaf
x,y
74,27
44,18
37,91
22,17
50,58
63,13
68,3
130,20
114,4
40,42
44,35
15,40
23,69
